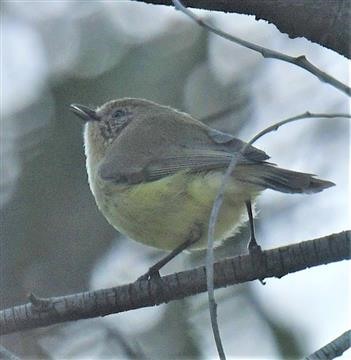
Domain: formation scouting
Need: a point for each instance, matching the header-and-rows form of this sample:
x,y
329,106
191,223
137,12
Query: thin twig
x,y
323,22
276,262
300,61
215,211
210,261
334,349
306,115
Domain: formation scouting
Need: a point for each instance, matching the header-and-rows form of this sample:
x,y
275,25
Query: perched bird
x,y
155,172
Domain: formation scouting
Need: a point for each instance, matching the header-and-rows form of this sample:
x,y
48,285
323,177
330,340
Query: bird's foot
x,y
256,251
152,273
253,247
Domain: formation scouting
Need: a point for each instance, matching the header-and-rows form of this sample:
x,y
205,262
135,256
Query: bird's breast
x,y
163,213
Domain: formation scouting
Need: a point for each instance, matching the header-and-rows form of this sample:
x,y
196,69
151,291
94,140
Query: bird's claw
x,y
150,274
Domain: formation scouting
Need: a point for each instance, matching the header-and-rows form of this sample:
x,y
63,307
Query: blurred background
x,y
55,242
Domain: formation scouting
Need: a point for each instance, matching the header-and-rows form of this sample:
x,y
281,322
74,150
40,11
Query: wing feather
x,y
183,145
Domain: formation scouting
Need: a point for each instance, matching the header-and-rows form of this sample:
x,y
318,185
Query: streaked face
x,y
110,118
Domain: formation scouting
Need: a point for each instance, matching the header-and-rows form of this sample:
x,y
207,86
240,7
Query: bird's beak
x,y
84,112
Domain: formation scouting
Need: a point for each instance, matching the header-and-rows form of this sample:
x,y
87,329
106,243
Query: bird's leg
x,y
153,271
253,247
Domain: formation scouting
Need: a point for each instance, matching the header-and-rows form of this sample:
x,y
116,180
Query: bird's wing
x,y
229,143
189,160
137,156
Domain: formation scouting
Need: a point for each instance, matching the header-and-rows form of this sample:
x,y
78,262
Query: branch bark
x,y
334,349
326,23
272,263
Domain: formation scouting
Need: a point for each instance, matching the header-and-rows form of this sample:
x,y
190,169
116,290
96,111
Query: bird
x,y
155,172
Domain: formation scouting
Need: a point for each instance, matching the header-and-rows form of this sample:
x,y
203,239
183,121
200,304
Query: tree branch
x,y
334,349
323,22
300,61
273,263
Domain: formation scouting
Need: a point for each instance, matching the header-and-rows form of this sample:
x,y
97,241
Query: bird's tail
x,y
268,176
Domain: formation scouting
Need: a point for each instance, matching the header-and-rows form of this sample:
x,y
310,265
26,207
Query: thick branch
x,y
324,22
334,349
272,263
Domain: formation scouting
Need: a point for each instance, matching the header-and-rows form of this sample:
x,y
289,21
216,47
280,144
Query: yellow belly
x,y
162,213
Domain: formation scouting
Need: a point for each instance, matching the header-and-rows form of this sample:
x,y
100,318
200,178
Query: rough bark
x,y
271,263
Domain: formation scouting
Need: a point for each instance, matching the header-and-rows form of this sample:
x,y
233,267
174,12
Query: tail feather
x,y
287,181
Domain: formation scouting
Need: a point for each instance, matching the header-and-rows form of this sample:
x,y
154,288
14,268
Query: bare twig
x,y
300,61
216,208
273,263
210,273
334,349
323,22
306,115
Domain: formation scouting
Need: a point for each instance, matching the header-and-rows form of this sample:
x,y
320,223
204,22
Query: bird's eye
x,y
119,113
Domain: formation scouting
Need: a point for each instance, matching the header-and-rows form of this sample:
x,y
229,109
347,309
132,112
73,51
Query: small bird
x,y
155,172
